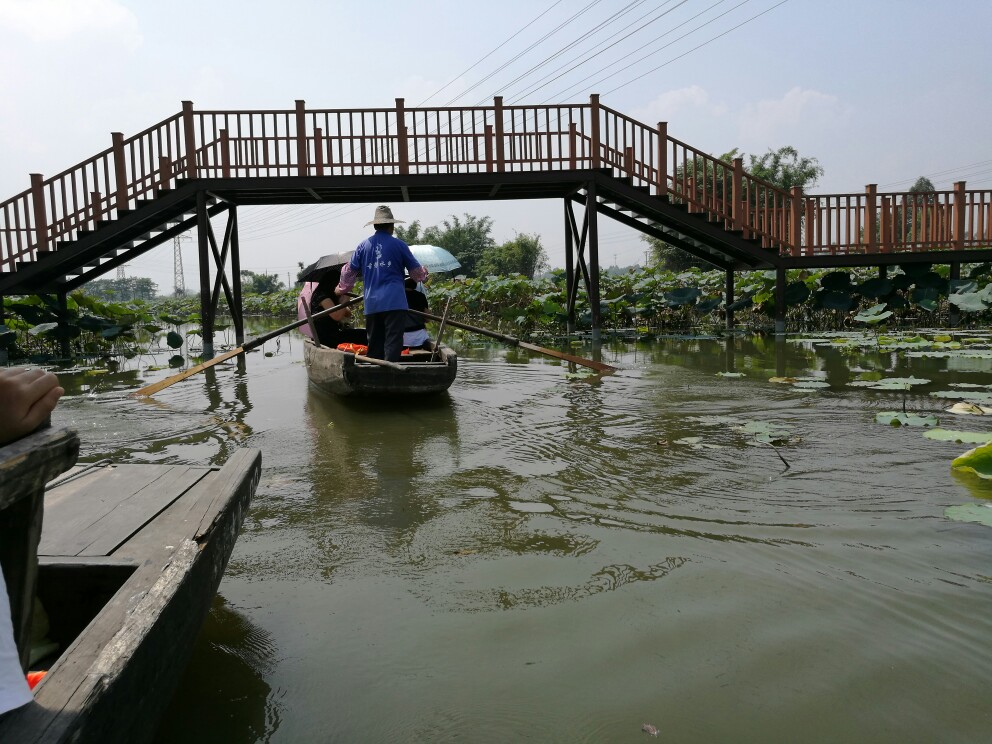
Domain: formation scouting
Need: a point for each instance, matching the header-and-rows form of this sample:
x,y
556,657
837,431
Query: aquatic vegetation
x,y
896,418
977,461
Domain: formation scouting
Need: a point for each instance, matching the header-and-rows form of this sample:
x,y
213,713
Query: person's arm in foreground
x,y
27,397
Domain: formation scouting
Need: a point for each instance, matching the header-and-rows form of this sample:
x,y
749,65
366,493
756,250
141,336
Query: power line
x,y
491,53
705,43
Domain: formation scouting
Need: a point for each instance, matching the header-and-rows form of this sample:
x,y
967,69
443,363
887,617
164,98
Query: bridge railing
x,y
498,138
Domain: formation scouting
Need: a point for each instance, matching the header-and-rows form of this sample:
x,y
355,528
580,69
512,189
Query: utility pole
x,y
177,261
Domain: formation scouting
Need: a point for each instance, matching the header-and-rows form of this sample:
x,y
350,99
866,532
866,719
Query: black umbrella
x,y
322,265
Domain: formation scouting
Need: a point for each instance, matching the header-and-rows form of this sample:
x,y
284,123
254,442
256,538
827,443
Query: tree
x,y
409,234
252,283
122,290
522,255
672,258
784,168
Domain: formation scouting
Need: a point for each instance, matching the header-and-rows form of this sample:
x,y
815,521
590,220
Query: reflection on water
x,y
535,557
223,695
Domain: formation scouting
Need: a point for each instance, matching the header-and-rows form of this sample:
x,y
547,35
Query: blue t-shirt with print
x,y
381,260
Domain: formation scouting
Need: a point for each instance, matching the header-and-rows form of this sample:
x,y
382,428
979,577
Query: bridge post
x,y
661,187
203,245
498,122
302,158
729,298
870,237
594,128
953,316
737,205
592,214
796,219
780,280
164,172
225,153
403,145
120,171
237,312
569,269
959,211
189,135
63,317
40,213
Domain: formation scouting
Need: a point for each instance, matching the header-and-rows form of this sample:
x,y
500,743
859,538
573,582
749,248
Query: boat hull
x,y
340,373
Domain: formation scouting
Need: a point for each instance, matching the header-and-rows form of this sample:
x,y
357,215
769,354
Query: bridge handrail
x,y
491,138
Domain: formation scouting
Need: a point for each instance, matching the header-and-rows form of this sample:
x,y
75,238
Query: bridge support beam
x,y
780,279
953,316
729,298
210,290
569,267
576,241
203,258
62,300
592,213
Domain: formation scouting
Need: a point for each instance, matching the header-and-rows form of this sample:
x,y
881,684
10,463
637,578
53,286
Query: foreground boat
x,y
129,560
342,373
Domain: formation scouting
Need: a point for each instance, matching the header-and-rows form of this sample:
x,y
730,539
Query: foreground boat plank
x,y
147,545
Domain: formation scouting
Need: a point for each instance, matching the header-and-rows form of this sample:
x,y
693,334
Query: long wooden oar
x,y
598,366
254,343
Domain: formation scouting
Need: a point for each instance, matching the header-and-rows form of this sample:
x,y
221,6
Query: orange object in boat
x,y
34,678
353,348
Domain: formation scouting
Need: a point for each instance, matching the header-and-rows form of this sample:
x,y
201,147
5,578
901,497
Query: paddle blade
x,y
168,381
581,361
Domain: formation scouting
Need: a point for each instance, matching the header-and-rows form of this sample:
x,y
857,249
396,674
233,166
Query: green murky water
x,y
536,558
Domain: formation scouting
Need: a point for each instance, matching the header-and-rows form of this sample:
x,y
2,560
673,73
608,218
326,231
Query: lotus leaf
x,y
931,280
782,380
810,384
709,304
875,288
977,461
174,340
969,302
963,437
834,300
962,286
963,395
981,513
897,418
176,361
682,296
836,280
42,328
925,297
741,304
915,270
796,293
729,374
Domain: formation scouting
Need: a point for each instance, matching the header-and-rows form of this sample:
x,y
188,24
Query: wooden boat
x,y
129,560
342,373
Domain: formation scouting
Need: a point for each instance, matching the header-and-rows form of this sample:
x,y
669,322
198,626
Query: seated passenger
x,y
333,328
415,334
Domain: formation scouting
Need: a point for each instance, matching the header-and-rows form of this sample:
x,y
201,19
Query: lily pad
x,y
977,461
897,418
729,374
981,513
810,384
963,437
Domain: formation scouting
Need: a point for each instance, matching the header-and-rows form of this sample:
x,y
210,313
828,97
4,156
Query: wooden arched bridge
x,y
145,189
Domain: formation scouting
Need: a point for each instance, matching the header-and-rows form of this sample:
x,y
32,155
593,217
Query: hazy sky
x,y
879,91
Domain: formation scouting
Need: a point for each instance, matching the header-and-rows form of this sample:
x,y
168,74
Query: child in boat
x,y
415,334
332,329
27,398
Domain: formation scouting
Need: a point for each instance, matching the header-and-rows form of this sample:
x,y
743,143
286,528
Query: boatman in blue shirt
x,y
381,261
